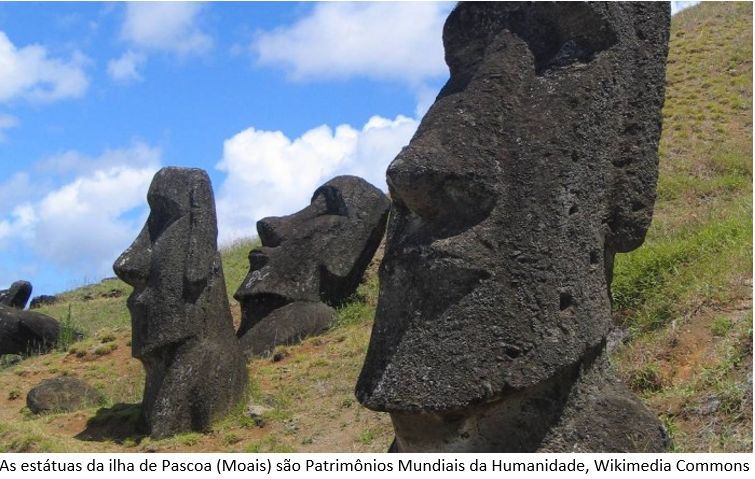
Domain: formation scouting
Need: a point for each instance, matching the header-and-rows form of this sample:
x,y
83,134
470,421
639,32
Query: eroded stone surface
x,y
26,332
182,330
536,165
309,262
61,394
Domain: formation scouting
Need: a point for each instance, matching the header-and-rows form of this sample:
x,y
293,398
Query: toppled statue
x,y
17,295
309,262
534,167
26,332
182,330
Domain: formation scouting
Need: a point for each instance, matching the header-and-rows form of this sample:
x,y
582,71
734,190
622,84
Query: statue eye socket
x,y
165,212
329,201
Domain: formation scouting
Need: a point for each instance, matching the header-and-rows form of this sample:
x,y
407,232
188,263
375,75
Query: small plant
x,y
231,438
68,334
366,437
721,325
189,439
105,349
14,394
646,379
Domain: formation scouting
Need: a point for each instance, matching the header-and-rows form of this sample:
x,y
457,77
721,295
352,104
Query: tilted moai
x,y
182,330
309,262
17,295
534,167
26,332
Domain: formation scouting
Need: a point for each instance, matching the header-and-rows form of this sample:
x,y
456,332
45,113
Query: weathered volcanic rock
x,y
17,295
26,332
287,325
534,167
182,329
61,394
317,255
42,300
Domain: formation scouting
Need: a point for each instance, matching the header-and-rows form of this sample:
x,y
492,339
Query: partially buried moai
x,y
534,167
182,330
309,262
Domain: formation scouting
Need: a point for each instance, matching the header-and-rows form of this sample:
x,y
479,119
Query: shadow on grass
x,y
118,423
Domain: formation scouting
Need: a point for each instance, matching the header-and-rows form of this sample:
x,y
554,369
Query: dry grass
x,y
685,296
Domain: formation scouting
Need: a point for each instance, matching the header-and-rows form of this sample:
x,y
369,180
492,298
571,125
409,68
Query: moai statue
x,y
534,167
17,295
182,330
309,262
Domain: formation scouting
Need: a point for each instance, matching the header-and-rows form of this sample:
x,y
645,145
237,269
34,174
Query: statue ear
x,y
635,161
202,245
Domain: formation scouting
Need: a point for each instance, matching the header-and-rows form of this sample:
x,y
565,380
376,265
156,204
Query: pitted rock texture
x,y
182,330
536,164
309,262
17,295
26,332
61,394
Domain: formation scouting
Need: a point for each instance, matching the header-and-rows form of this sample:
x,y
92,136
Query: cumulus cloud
x,y
125,69
271,174
84,224
166,26
6,122
382,40
30,73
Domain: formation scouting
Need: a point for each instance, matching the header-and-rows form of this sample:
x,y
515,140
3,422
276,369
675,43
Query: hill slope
x,y
683,301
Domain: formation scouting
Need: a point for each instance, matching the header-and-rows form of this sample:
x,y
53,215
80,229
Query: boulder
x,y
182,329
317,255
42,300
17,295
26,332
536,164
62,394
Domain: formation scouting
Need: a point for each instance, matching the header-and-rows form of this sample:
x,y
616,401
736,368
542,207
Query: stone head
x,y
171,260
535,165
316,254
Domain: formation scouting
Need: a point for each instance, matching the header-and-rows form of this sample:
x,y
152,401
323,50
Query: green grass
x,y
694,271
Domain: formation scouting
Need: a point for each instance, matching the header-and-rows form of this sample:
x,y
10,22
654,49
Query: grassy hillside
x,y
685,297
683,302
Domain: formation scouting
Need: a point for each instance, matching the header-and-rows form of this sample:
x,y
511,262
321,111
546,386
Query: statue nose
x,y
270,231
435,186
133,265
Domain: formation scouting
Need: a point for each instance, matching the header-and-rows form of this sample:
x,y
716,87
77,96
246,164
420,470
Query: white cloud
x,y
31,74
388,41
138,155
125,69
166,26
83,225
16,189
6,122
677,7
270,174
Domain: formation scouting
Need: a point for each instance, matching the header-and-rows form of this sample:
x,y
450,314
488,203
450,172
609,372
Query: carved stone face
x,y
317,254
169,262
535,165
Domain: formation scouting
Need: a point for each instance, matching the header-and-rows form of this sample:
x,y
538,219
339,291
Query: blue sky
x,y
272,99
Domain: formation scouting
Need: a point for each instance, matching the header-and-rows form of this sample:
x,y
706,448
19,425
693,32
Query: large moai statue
x,y
309,262
534,167
182,330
